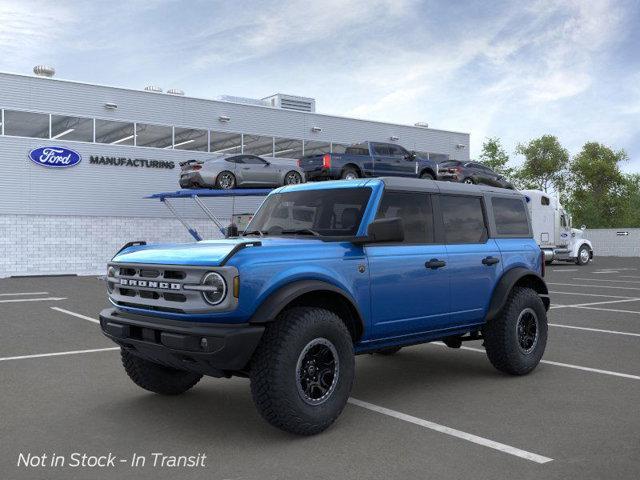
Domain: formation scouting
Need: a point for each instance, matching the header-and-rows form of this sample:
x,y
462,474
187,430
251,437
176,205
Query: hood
x,y
208,253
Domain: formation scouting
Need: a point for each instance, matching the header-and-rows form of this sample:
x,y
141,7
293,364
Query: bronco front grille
x,y
160,288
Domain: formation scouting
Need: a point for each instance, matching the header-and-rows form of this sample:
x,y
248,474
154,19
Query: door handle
x,y
490,261
434,263
246,168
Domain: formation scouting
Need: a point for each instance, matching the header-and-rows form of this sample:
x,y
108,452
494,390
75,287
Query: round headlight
x,y
216,288
111,272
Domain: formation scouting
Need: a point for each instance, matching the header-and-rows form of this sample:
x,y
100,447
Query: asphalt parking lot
x,y
428,412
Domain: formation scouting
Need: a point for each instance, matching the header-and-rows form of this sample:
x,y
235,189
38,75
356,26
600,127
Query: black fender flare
x,y
276,301
429,170
506,283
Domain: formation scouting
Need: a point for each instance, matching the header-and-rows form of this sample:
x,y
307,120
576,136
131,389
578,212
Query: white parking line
x,y
632,299
57,354
485,442
563,270
559,364
22,293
606,280
596,286
84,317
628,276
610,310
605,272
598,330
589,294
15,300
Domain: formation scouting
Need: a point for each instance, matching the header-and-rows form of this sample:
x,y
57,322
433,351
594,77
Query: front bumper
x,y
209,349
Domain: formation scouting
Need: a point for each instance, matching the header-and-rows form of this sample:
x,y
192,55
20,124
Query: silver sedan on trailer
x,y
240,170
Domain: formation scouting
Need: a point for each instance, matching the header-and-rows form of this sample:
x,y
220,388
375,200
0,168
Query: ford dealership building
x,y
99,150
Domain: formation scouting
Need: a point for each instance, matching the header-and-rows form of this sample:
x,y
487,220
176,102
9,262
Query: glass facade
x,y
116,132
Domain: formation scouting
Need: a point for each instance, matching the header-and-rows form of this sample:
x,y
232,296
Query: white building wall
x,y
55,245
612,242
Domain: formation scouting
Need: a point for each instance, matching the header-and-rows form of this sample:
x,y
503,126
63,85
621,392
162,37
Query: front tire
x,y
157,378
515,340
584,256
427,176
469,181
302,370
225,180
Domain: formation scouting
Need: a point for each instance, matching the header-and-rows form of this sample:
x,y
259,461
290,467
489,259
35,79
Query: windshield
x,y
323,212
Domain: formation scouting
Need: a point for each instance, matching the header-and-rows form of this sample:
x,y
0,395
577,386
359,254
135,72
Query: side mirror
x,y
232,231
383,230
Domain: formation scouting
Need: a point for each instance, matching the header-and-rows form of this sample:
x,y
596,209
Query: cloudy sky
x,y
515,70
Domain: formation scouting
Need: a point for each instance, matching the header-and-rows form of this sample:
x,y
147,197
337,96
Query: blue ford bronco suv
x,y
324,272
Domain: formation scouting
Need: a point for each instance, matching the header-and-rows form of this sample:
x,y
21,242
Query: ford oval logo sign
x,y
56,157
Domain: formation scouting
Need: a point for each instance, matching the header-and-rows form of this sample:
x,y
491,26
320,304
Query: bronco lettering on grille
x,y
146,283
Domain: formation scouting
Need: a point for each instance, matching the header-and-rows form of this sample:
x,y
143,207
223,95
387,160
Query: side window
x,y
252,160
511,216
234,160
463,219
544,200
381,149
396,151
415,211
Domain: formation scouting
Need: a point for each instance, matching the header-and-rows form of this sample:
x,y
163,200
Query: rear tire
x,y
349,173
388,351
225,180
516,339
302,370
292,178
157,378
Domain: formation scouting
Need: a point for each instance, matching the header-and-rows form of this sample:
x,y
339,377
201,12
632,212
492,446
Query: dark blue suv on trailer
x,y
325,271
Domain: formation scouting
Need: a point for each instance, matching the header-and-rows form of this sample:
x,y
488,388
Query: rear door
x,y
407,295
474,260
382,159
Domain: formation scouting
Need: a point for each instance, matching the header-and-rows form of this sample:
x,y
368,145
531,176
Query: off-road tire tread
x,y
157,378
504,354
272,397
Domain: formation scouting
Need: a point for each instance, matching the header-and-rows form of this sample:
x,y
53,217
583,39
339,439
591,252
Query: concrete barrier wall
x,y
618,242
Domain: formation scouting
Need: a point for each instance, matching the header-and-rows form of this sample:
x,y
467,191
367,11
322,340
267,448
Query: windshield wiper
x,y
254,232
302,231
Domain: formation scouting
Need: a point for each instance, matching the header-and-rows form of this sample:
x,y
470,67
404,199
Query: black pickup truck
x,y
368,159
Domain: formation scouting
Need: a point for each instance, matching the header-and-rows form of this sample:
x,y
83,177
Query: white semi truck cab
x,y
553,232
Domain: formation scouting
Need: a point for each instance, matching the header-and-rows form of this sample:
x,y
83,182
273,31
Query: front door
x,y
474,260
410,280
382,160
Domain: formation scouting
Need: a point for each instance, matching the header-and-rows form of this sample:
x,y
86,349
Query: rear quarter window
x,y
510,216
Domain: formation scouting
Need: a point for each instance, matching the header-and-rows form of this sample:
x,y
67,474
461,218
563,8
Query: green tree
x,y
599,194
545,164
631,198
495,157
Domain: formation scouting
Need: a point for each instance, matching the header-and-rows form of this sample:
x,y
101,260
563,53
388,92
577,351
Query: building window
x,y
316,148
114,133
72,128
226,143
287,148
258,145
157,136
190,139
26,124
338,147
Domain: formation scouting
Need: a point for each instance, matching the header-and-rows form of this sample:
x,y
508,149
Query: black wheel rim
x,y
527,330
226,181
293,178
317,371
